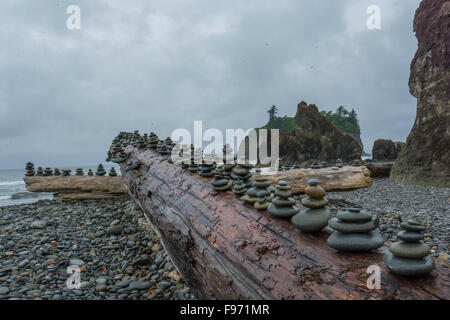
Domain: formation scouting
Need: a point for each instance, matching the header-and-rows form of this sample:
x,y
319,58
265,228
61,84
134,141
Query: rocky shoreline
x,y
396,202
118,255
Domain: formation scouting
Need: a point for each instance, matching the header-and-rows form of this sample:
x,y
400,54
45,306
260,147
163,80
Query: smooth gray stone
x,y
282,212
409,267
314,203
352,216
283,193
411,227
353,227
123,283
261,184
139,285
76,262
312,182
311,220
410,236
280,202
355,241
282,183
410,250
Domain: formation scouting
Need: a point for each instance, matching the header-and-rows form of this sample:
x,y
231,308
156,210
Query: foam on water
x,y
12,183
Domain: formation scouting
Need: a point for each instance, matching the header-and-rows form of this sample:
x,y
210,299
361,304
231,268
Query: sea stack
x,y
283,206
79,172
100,170
355,230
410,256
316,217
29,169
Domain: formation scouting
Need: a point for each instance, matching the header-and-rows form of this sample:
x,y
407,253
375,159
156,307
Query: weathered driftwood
x,y
78,187
380,169
225,249
347,177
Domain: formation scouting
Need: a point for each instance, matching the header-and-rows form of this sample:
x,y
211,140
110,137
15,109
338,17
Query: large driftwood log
x,y
225,249
347,177
380,169
78,187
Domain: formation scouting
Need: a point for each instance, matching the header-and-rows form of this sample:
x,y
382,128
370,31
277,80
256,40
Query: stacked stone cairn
x,y
66,172
324,164
153,140
315,165
410,256
316,217
339,163
283,206
163,148
240,187
242,172
79,172
48,172
206,169
221,181
29,169
112,172
100,171
90,173
228,159
356,163
260,184
355,230
57,172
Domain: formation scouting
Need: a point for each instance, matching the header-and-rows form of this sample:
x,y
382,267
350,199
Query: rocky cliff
x,y
426,157
314,137
386,149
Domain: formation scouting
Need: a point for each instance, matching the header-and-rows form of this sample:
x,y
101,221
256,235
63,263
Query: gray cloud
x,y
160,65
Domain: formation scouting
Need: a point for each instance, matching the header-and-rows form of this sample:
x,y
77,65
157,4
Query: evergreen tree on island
x,y
272,112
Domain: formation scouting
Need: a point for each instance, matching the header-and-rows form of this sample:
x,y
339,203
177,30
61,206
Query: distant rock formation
x,y
314,137
386,149
425,159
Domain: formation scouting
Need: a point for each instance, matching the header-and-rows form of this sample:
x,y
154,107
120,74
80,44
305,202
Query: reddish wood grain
x,y
225,249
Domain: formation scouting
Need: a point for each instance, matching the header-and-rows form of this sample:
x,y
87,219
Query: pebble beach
x,y
120,257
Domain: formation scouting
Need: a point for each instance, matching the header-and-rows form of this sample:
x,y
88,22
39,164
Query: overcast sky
x,y
160,65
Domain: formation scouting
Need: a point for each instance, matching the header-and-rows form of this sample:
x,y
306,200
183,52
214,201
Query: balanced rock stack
x,y
66,172
356,163
339,163
30,169
112,172
79,172
324,164
48,172
283,206
242,172
315,165
260,184
410,256
108,157
153,140
100,170
355,230
221,181
240,187
316,217
119,157
57,172
262,200
90,173
205,170
141,143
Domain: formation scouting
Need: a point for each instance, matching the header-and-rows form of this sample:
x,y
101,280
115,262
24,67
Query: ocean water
x,y
13,191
